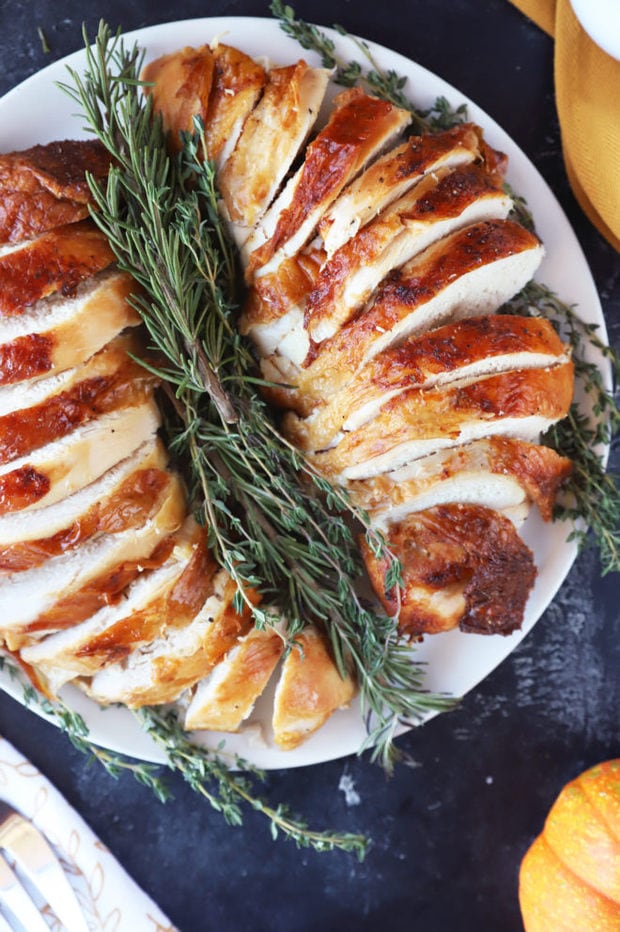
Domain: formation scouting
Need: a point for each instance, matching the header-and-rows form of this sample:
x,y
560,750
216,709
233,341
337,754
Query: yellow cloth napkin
x,y
587,88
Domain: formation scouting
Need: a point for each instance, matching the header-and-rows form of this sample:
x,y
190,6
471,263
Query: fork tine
x,y
18,902
36,858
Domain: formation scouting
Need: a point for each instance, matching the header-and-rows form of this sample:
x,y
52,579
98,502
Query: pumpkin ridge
x,y
591,793
585,885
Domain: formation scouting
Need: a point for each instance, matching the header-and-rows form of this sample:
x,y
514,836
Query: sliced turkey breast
x,y
276,302
59,332
160,671
470,273
499,472
393,175
45,186
50,408
466,349
168,596
61,468
123,497
55,261
276,128
310,689
227,696
418,422
180,85
69,588
358,128
442,202
462,565
237,85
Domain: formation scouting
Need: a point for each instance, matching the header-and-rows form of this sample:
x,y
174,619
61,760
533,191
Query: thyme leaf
x,y
273,523
208,774
385,84
591,496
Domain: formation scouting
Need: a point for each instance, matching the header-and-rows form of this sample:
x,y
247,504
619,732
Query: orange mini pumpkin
x,y
570,876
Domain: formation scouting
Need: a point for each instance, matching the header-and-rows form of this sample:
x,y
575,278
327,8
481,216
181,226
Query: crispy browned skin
x,y
331,160
57,261
268,145
21,488
435,355
176,607
539,469
440,413
126,382
130,505
45,187
406,289
447,198
102,590
181,84
99,317
470,553
413,158
237,83
271,296
309,691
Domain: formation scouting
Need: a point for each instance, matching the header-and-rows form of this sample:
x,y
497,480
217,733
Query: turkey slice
x,y
237,85
123,497
358,128
276,128
68,588
60,332
499,472
461,350
470,273
62,468
179,85
45,187
50,408
310,689
393,175
55,261
441,203
462,564
418,422
160,671
168,596
227,696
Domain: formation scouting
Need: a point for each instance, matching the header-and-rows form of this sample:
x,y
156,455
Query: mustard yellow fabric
x,y
587,89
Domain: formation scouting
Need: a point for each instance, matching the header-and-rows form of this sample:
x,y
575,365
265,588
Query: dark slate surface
x,y
450,829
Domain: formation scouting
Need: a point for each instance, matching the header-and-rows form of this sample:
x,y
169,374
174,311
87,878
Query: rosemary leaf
x,y
272,522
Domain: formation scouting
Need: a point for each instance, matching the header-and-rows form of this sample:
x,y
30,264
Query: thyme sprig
x,y
209,775
385,84
272,521
591,496
206,772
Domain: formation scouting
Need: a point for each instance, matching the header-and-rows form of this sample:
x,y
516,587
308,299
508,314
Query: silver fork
x,y
32,854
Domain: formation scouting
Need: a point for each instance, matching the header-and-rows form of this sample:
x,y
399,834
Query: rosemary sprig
x,y
385,84
273,522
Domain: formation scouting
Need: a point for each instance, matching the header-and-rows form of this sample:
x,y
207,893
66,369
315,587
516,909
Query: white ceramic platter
x,y
38,112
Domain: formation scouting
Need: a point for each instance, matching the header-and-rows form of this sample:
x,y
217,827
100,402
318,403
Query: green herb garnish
x,y
273,522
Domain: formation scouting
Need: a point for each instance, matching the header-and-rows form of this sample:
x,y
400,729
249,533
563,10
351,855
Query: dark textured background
x,y
450,829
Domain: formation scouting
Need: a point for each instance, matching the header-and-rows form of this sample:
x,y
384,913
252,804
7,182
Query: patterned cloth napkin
x,y
587,88
109,898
